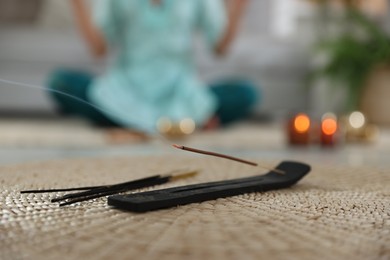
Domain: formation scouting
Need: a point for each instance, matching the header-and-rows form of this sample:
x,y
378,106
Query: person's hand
x,y
235,9
238,5
92,35
77,3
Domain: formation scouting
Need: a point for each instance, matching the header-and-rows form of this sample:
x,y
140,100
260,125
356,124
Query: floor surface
x,y
249,140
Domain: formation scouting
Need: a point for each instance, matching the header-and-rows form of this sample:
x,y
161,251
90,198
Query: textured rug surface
x,y
333,213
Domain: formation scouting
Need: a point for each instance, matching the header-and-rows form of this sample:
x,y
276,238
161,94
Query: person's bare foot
x,y
212,124
124,136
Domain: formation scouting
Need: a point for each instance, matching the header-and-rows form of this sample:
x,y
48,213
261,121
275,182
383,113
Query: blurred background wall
x,y
274,49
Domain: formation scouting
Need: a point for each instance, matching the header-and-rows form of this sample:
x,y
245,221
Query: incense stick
x,y
185,148
122,187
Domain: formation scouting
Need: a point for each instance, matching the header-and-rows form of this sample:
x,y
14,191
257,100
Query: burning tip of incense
x,y
178,146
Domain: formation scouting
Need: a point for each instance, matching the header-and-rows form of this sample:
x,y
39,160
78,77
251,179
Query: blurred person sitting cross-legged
x,y
153,74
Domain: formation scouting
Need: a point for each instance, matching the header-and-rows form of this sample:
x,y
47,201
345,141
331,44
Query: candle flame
x,y
301,123
329,126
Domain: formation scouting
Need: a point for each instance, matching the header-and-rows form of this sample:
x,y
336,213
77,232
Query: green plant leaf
x,y
353,55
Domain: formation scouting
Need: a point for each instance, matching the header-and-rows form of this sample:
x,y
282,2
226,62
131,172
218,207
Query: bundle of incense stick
x,y
185,148
93,192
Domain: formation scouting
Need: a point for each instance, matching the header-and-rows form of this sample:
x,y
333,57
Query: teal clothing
x,y
69,90
153,74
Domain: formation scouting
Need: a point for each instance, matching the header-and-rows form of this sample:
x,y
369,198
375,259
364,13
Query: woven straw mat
x,y
333,213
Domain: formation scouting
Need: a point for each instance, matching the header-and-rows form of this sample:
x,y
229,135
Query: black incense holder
x,y
166,198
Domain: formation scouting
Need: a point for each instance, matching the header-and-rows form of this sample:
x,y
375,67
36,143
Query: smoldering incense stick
x,y
185,148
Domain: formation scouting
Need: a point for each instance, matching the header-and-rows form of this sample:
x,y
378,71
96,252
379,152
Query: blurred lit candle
x,y
329,129
187,126
172,129
356,120
299,130
358,130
